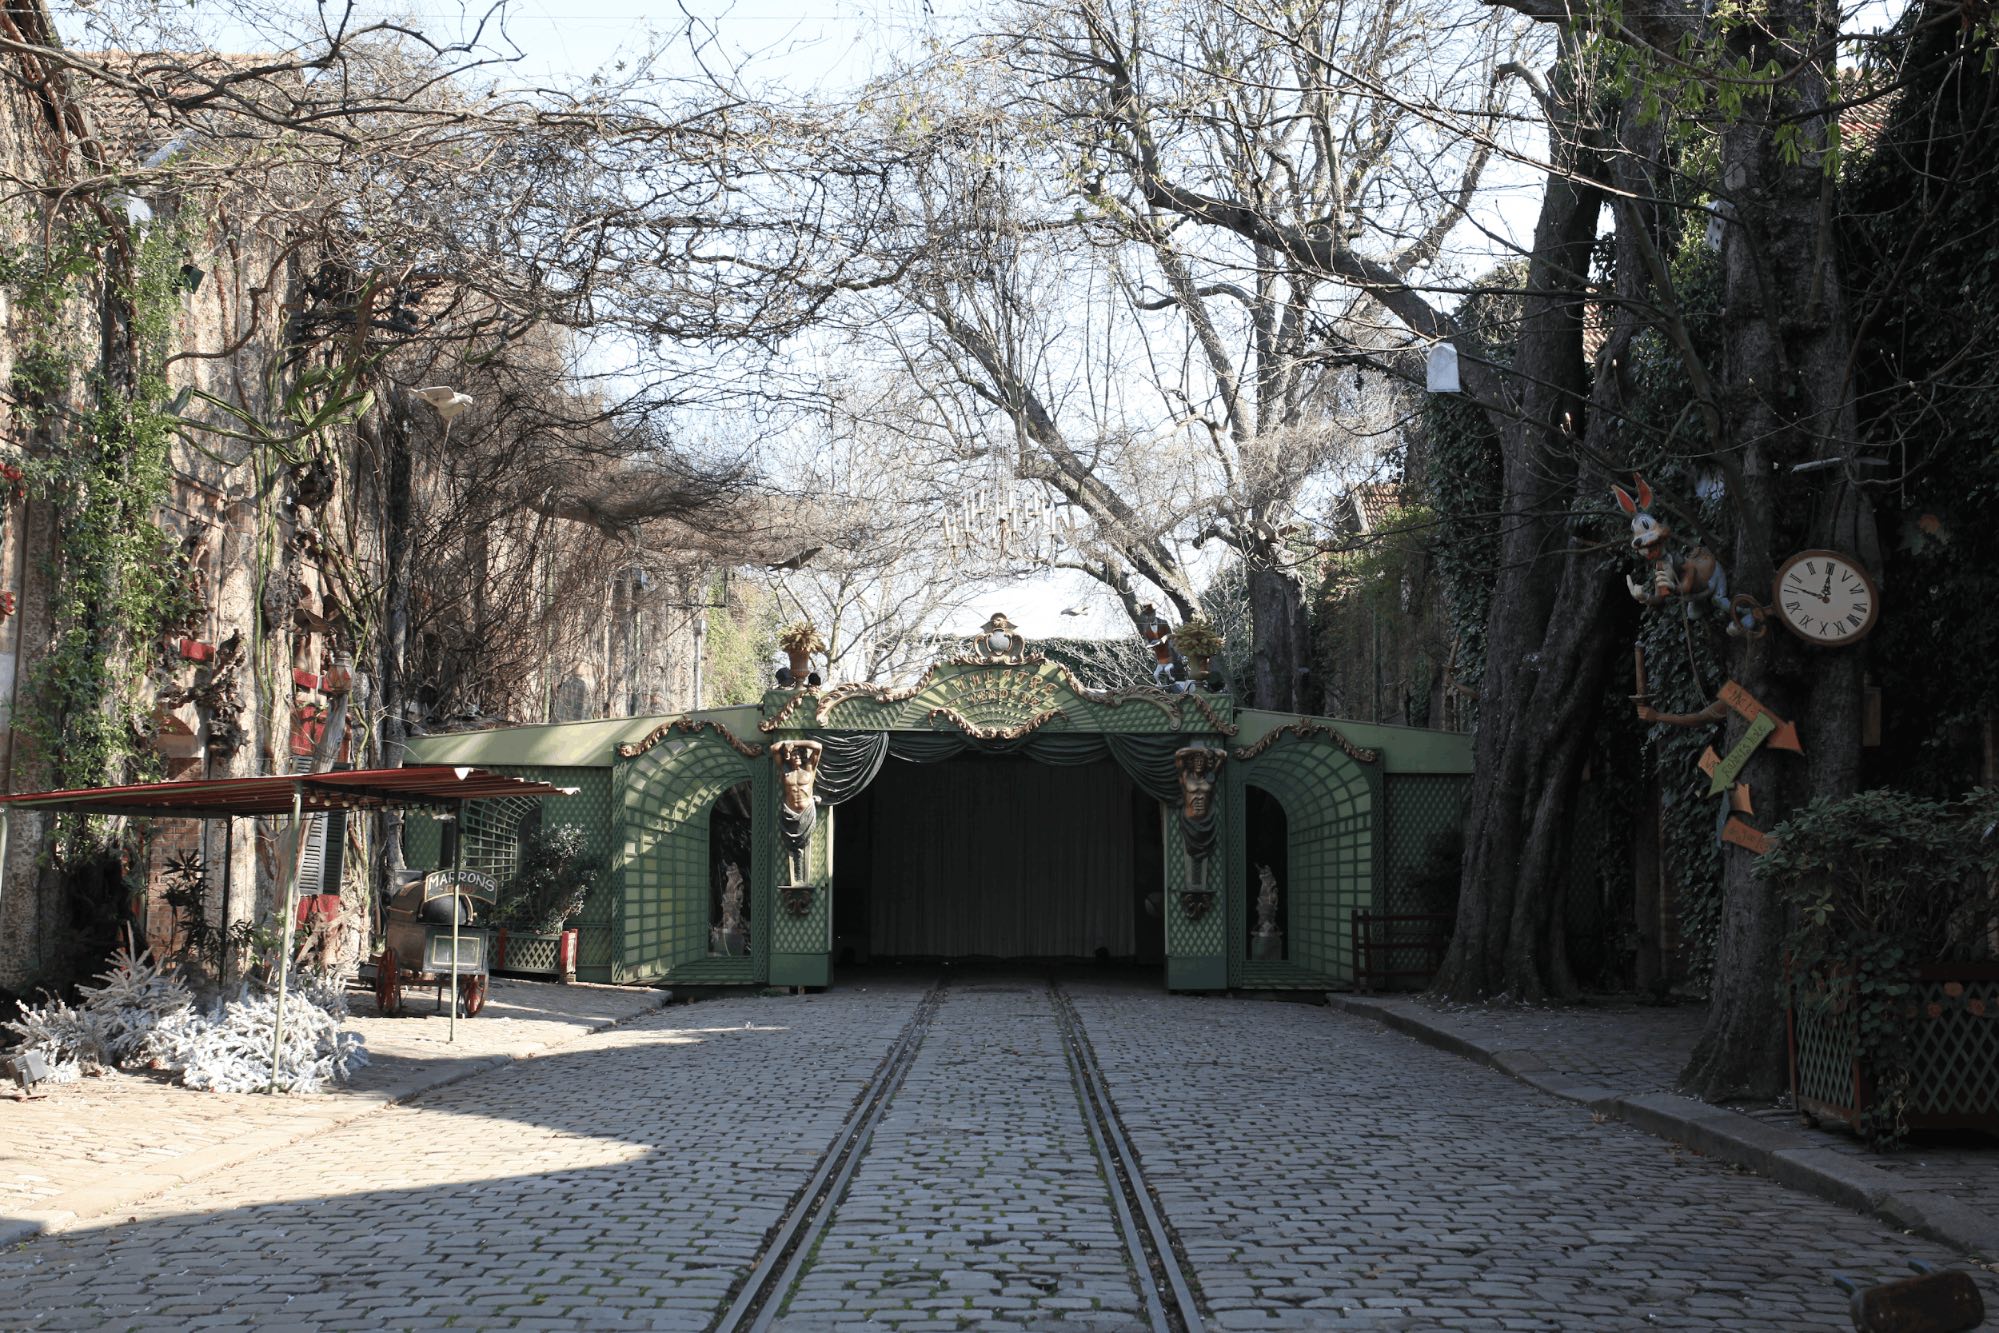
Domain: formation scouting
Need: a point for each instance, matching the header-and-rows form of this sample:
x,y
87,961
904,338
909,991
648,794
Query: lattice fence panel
x,y
589,810
532,953
1186,935
1424,811
1956,1051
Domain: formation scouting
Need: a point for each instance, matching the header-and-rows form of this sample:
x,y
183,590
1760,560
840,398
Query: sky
x,y
804,46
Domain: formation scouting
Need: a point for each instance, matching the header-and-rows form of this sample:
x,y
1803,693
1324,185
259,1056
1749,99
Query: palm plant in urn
x,y
799,641
1198,643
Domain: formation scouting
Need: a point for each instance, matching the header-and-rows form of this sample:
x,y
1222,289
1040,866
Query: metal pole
x,y
457,864
291,922
6,827
228,882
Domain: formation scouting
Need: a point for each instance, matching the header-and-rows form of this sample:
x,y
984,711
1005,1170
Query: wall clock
x,y
1826,598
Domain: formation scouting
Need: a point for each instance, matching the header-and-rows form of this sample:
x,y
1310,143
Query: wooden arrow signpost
x,y
1761,728
1783,735
1765,727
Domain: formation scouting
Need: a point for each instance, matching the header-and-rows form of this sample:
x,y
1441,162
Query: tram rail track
x,y
1157,1268
1170,1306
761,1298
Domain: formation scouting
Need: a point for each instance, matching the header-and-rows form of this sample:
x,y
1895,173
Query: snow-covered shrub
x,y
112,1024
227,1047
143,1016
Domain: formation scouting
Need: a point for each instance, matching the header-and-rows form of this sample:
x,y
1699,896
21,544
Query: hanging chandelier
x,y
1001,525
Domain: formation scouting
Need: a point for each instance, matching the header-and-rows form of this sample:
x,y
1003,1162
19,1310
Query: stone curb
x,y
1783,1155
82,1205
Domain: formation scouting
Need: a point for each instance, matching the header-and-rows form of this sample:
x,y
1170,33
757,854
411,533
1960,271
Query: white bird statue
x,y
448,401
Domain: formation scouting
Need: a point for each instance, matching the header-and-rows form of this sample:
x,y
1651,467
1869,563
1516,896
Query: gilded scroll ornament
x,y
1304,730
689,726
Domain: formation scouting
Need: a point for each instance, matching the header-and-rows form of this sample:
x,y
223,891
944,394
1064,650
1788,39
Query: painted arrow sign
x,y
1783,735
1761,728
1745,836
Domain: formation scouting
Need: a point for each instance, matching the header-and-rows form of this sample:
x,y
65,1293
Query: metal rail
x,y
763,1292
1169,1298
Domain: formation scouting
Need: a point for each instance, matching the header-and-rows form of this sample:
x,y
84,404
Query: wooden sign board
x,y
1709,760
1744,836
1761,728
1783,735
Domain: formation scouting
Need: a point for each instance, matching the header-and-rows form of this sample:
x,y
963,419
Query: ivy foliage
x,y
1922,219
1455,471
1374,631
100,455
1881,883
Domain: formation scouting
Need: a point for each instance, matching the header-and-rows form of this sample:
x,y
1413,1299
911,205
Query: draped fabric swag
x,y
852,759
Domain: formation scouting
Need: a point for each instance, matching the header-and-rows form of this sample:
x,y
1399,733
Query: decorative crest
x,y
999,641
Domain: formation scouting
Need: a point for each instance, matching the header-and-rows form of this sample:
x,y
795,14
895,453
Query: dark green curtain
x,y
1010,860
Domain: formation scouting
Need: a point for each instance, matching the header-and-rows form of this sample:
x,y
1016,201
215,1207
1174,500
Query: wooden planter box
x,y
536,953
1954,1063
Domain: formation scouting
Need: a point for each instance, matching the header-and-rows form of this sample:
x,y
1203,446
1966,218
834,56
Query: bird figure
x,y
798,561
1076,611
448,401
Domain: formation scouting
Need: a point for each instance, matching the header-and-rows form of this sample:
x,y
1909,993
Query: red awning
x,y
420,786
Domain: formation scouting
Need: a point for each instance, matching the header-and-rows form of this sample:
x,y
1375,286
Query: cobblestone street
x,y
1315,1169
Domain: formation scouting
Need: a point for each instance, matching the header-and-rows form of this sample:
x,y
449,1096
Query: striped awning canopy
x,y
418,787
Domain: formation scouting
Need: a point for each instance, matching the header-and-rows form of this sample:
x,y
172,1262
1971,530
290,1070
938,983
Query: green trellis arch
x,y
668,794
1330,802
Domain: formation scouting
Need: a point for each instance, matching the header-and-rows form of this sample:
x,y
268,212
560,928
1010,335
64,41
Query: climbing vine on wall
x,y
1455,473
89,386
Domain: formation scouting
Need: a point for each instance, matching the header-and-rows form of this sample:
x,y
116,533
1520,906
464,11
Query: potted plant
x,y
799,641
553,880
1891,990
1198,643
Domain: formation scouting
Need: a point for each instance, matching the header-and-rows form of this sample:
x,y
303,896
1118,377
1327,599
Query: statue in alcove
x,y
730,936
1267,944
798,776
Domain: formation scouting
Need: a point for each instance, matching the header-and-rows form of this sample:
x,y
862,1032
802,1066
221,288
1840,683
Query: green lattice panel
x,y
1329,812
1186,937
1953,1057
423,842
1420,808
589,810
812,932
532,953
662,871
491,839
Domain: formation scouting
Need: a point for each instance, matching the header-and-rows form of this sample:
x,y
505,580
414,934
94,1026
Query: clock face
x,y
1826,598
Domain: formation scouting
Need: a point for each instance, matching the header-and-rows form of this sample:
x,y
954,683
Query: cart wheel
x,y
472,991
388,985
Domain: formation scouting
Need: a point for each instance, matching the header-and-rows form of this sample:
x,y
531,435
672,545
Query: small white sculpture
x,y
731,937
1268,944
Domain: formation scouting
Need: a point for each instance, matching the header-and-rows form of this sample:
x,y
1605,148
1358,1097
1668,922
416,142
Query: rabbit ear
x,y
1644,492
1623,500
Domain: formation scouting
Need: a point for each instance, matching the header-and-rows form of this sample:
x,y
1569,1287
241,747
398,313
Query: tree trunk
x,y
1283,635
1536,698
1787,401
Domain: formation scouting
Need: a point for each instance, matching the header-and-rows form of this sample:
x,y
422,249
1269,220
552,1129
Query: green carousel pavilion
x,y
995,809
